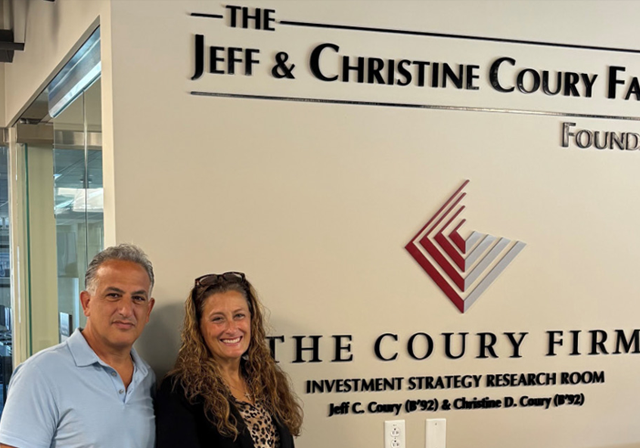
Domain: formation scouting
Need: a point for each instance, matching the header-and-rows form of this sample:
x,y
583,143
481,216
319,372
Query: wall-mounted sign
x,y
484,79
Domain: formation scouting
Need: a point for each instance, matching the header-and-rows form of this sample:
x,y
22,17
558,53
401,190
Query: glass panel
x,y
95,192
21,344
69,199
78,200
41,246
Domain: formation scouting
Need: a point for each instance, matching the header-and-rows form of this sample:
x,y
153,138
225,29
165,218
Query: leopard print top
x,y
260,423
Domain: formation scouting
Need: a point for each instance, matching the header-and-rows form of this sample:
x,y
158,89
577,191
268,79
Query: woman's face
x,y
226,326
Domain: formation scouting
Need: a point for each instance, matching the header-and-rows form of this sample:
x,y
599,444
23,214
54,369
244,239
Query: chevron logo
x,y
462,268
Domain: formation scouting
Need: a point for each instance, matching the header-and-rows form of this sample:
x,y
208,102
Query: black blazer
x,y
182,424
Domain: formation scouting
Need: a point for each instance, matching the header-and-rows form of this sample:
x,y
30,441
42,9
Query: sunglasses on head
x,y
213,279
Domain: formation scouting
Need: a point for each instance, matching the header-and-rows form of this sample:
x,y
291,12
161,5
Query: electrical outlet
x,y
436,433
394,434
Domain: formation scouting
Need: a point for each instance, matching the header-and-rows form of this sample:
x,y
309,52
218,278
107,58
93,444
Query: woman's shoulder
x,y
171,384
171,394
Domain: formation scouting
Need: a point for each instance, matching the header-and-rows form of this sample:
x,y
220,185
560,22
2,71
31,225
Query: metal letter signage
x,y
462,268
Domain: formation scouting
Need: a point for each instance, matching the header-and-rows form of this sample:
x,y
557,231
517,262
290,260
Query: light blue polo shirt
x,y
65,396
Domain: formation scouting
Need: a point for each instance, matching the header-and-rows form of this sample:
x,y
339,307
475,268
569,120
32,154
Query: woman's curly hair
x,y
200,376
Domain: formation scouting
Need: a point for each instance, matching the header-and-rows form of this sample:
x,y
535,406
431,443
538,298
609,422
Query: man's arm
x,y
30,415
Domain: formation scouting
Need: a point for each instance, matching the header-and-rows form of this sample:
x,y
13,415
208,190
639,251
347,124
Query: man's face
x,y
119,305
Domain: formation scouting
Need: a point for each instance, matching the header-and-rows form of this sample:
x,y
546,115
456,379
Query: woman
x,y
225,389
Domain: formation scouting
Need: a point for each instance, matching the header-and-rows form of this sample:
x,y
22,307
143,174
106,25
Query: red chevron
x,y
443,263
446,244
429,268
435,276
437,255
438,212
457,239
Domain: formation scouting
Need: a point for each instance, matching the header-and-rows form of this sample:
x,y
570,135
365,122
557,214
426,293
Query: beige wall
x,y
315,202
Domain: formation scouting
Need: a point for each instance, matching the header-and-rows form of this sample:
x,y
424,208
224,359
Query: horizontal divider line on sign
x,y
208,16
411,105
454,36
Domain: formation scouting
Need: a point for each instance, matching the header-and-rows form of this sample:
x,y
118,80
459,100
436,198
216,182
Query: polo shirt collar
x,y
138,362
83,354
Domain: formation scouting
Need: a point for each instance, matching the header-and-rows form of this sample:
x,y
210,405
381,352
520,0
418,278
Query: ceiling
x,y
8,46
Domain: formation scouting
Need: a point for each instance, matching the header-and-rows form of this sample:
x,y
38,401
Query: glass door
x,y
56,201
5,280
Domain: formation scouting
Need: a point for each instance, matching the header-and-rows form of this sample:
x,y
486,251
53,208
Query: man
x,y
93,390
